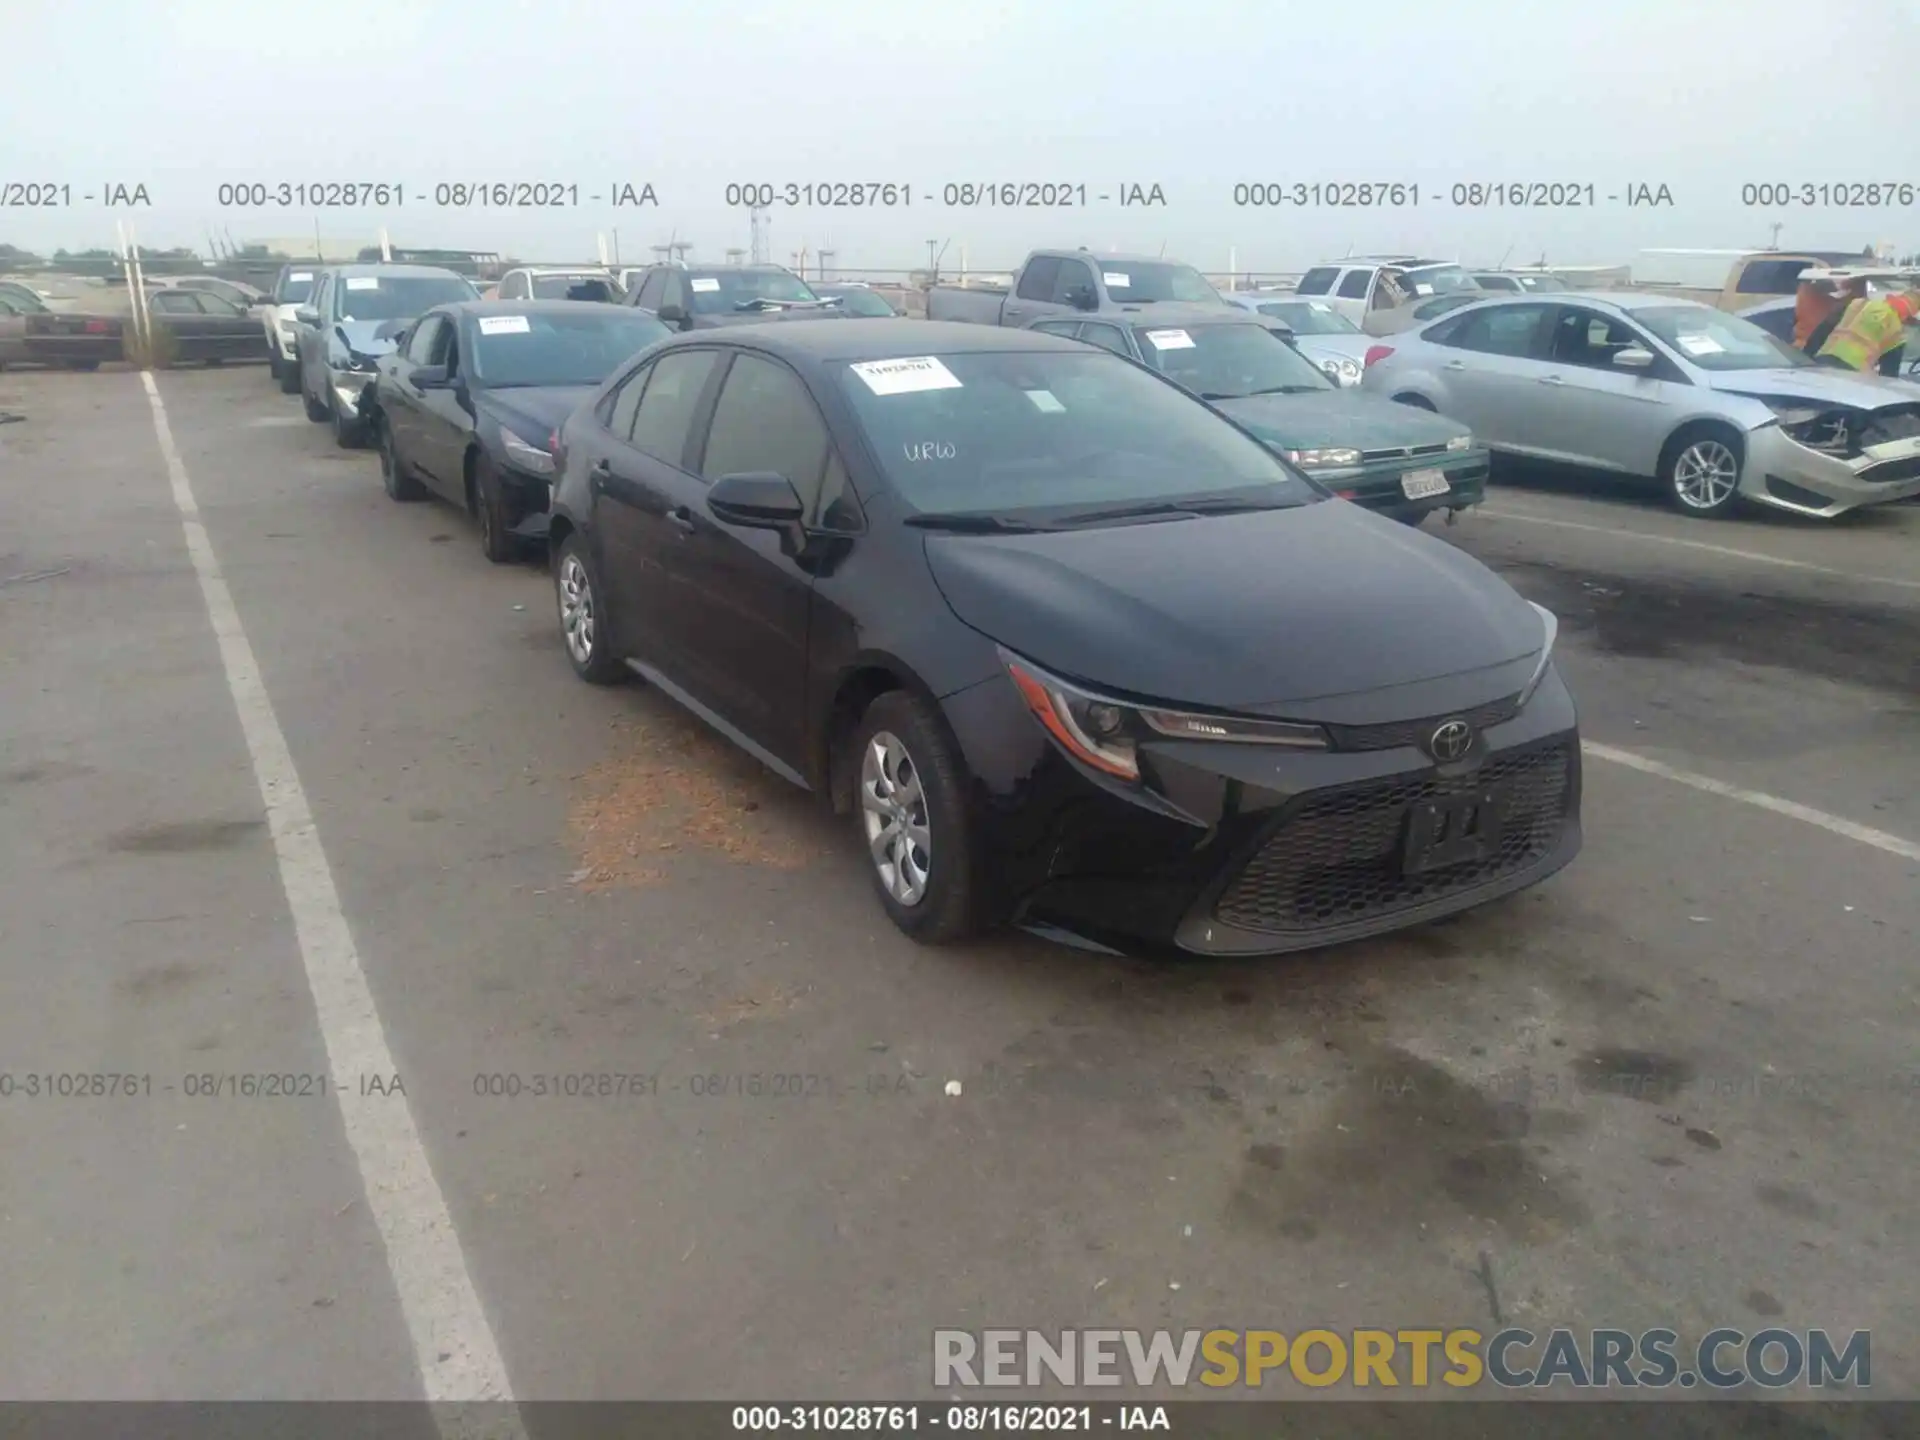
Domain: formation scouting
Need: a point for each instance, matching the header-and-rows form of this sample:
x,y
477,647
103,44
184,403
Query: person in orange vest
x,y
1818,306
1871,333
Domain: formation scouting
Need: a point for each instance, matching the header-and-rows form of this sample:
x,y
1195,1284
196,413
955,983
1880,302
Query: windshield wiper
x,y
1291,390
961,524
1190,509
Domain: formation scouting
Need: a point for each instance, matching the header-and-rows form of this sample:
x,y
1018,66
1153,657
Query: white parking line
x,y
453,1345
1727,550
1878,839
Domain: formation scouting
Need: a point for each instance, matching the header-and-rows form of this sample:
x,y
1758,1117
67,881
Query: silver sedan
x,y
1719,410
1321,333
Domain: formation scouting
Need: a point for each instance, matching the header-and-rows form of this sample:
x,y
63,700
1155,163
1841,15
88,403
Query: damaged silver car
x,y
1646,385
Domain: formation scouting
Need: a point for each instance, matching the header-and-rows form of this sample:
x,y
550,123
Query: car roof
x,y
403,272
1624,301
534,307
1175,314
877,339
564,269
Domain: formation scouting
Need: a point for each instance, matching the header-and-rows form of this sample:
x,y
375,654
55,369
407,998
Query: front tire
x,y
348,433
395,478
289,377
316,412
490,509
1701,470
911,813
584,627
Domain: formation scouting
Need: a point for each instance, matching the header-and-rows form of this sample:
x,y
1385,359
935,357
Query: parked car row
x,y
1069,627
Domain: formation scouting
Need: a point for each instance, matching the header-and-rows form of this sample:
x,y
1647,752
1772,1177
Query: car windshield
x,y
295,288
723,292
572,347
1147,281
563,287
1715,340
1036,435
396,297
1229,362
1309,317
1540,284
1436,280
860,302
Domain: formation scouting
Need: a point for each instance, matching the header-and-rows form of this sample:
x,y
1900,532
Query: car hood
x,y
1817,385
539,410
1263,612
1346,418
370,337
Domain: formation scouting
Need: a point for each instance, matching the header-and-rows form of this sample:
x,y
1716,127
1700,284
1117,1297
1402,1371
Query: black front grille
x,y
1888,471
1415,732
1335,859
1403,452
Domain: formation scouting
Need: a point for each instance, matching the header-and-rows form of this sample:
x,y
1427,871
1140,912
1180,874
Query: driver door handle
x,y
681,518
1454,365
600,473
1551,380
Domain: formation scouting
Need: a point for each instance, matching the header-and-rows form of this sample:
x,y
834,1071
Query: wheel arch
x,y
860,683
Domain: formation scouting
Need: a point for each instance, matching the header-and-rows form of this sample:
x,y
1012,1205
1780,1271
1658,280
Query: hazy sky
x,y
1699,95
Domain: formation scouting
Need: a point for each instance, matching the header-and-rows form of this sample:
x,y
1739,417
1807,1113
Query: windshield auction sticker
x,y
905,377
703,284
1170,339
504,325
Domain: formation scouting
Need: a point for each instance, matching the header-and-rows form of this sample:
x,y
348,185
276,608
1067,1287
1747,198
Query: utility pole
x,y
762,238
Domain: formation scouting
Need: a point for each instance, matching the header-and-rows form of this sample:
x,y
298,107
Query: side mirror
x,y
1633,358
674,315
431,377
307,315
756,499
1082,297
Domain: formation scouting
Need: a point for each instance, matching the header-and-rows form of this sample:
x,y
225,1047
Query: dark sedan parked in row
x,y
469,403
1077,651
1366,449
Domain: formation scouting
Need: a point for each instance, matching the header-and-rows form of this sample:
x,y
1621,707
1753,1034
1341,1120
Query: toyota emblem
x,y
1451,741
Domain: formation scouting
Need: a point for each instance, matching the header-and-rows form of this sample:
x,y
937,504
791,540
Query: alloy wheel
x,y
576,609
894,810
1705,474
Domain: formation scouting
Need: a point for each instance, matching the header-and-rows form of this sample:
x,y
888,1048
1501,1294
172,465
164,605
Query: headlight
x,y
1341,371
354,363
1550,623
528,457
1104,733
1323,459
1460,442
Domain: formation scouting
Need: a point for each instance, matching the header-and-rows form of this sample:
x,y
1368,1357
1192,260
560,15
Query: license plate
x,y
1419,484
1458,830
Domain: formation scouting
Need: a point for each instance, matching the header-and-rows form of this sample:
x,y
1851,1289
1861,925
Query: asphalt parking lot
x,y
1676,1085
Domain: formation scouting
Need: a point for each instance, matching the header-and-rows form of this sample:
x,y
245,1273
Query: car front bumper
x,y
1240,849
1788,476
348,389
1381,485
282,344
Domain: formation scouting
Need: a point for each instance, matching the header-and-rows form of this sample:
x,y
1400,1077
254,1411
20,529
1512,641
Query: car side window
x,y
1074,275
1107,337
1588,338
1497,282
425,335
766,420
1353,285
173,302
675,290
216,304
1036,281
1317,281
1058,327
320,295
513,287
617,409
653,285
1511,330
667,406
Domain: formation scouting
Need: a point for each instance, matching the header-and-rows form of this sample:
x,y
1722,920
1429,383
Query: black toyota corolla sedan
x,y
1073,650
469,402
